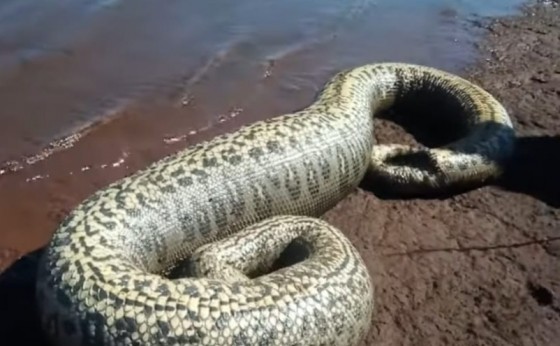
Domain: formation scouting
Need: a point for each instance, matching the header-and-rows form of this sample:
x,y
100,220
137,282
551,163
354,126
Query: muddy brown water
x,y
138,80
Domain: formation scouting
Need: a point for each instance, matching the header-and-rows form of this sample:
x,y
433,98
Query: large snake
x,y
239,205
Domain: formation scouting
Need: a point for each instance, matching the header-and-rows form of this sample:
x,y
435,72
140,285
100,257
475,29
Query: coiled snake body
x,y
234,204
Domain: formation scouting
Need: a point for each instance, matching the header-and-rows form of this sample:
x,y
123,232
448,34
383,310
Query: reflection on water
x,y
65,63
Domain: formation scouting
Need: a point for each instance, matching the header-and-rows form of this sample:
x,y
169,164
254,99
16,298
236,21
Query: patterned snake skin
x,y
236,205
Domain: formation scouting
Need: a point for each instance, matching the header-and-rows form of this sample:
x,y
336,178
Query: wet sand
x,y
476,268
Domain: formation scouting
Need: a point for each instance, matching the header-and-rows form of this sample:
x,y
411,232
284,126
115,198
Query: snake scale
x,y
238,203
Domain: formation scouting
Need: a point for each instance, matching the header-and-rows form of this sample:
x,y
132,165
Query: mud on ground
x,y
478,268
483,267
